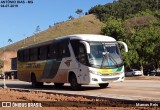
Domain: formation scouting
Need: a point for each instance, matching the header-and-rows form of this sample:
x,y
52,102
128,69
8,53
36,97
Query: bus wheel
x,y
35,84
58,84
74,83
104,85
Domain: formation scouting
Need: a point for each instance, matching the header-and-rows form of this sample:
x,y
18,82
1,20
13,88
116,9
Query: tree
x,y
79,12
9,40
86,13
113,27
70,17
123,9
157,56
151,45
142,39
37,29
49,26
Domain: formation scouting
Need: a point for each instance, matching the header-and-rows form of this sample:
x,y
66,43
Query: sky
x,y
17,23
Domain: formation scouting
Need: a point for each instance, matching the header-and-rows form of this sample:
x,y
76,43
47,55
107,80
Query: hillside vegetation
x,y
88,24
135,22
124,9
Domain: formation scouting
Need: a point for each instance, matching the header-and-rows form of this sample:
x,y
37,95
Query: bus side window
x,y
52,52
33,54
79,51
59,51
66,51
82,58
43,53
26,55
63,50
75,47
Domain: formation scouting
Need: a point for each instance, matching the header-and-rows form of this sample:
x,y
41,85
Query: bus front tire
x,y
58,84
104,85
35,84
74,83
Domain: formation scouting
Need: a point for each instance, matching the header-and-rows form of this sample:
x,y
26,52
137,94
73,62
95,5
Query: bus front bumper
x,y
96,79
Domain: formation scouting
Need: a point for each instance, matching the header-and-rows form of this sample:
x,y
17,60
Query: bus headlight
x,y
94,72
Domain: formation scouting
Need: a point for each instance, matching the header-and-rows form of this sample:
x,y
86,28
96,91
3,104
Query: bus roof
x,y
89,37
86,37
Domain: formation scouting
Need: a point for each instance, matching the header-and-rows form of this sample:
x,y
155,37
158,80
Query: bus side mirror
x,y
87,46
124,44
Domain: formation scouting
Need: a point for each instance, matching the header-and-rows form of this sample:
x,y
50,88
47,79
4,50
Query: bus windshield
x,y
104,55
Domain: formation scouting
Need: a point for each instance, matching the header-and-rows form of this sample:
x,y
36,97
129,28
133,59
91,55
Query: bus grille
x,y
109,79
111,74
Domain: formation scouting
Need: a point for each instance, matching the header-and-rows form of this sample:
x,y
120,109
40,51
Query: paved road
x,y
129,89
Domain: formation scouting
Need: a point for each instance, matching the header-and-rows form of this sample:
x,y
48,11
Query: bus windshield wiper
x,y
104,57
112,59
107,56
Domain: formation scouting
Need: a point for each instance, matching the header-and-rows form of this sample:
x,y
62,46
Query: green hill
x,y
88,24
124,9
135,22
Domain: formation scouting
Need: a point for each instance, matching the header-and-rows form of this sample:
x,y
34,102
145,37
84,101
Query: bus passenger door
x,y
80,53
83,62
